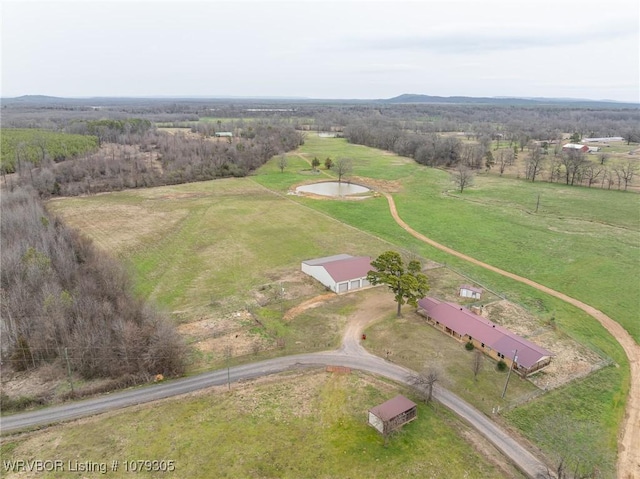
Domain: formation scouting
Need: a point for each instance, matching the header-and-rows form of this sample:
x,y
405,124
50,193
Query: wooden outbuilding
x,y
393,414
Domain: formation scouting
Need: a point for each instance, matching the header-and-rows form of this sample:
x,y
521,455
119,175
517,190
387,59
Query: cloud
x,y
487,39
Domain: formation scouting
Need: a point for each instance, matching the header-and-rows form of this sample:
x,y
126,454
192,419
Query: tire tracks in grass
x,y
628,466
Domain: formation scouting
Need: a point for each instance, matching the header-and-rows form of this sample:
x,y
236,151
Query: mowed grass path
x,y
291,426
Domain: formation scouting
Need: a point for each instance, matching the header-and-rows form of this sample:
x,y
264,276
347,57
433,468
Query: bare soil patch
x,y
571,359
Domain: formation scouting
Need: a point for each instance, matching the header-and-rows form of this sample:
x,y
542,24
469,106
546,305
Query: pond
x,y
333,188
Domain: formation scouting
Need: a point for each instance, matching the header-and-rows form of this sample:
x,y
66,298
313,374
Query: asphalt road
x,y
350,355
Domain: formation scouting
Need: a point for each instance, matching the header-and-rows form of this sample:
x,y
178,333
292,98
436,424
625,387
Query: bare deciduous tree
x,y
534,162
477,363
627,172
462,177
591,174
425,381
282,162
343,167
574,162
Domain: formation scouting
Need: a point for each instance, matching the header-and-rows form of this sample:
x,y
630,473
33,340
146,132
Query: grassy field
x,y
290,426
28,144
581,242
204,249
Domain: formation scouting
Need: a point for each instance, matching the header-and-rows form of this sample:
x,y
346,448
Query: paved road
x,y
350,355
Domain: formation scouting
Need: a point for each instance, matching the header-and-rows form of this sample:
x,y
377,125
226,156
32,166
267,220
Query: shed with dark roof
x,y
340,273
392,414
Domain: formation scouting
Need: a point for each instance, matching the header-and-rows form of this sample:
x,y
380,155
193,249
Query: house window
x,y
483,345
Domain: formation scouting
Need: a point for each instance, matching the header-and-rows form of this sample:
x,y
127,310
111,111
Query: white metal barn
x,y
340,273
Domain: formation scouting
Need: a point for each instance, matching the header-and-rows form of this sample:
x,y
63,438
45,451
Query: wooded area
x,y
63,299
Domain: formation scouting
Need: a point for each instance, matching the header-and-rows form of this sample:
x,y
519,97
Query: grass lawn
x,y
203,249
413,343
290,426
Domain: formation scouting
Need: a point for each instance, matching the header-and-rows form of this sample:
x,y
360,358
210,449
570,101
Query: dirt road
x,y
629,438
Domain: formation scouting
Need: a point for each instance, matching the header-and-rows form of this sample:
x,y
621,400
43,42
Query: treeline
x,y
110,130
154,158
34,146
428,149
66,303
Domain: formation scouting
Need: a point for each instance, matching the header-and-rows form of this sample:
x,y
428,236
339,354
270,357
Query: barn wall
x,y
321,274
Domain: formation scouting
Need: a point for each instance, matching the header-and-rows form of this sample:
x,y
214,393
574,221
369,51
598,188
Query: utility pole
x,y
515,358
66,357
228,354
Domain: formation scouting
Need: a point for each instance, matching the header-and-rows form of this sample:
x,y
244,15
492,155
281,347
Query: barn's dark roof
x,y
392,408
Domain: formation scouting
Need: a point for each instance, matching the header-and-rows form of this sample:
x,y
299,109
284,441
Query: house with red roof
x,y
492,339
340,273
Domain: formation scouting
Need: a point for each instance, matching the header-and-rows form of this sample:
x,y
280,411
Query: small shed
x,y
467,291
223,134
393,414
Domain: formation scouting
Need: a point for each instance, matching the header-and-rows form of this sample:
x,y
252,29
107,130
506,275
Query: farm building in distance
x,y
490,338
393,414
223,134
575,147
467,291
340,273
602,140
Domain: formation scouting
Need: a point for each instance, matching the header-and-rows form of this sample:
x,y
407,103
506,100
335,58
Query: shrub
x,y
501,366
469,346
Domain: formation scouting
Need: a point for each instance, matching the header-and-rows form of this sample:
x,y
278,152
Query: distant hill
x,y
407,98
470,100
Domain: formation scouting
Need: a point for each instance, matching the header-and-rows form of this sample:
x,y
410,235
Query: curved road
x,y
629,440
350,355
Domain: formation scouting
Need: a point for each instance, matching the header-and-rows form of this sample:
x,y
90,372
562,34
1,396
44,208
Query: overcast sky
x,y
322,49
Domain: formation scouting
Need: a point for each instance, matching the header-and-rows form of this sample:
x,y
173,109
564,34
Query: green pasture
x,y
211,244
291,426
581,241
31,144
